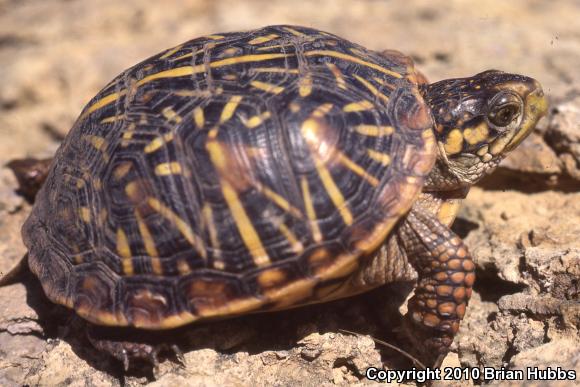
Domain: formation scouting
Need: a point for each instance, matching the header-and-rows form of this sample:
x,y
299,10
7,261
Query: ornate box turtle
x,y
261,170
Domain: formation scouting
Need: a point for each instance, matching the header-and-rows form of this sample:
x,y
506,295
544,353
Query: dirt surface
x,y
522,223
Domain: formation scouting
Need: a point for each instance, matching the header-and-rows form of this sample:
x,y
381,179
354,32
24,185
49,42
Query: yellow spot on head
x,y
454,142
477,134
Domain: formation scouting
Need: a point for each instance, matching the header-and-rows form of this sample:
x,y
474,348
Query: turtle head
x,y
478,120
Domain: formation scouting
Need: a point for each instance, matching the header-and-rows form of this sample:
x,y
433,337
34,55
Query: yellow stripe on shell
x,y
166,169
122,169
209,224
171,115
182,72
123,247
263,39
158,142
267,87
358,106
353,59
293,31
372,88
305,86
146,236
274,70
85,214
243,223
110,120
104,101
230,108
310,211
334,193
245,227
198,117
357,169
171,52
181,225
171,73
295,244
338,76
257,120
374,130
279,200
382,158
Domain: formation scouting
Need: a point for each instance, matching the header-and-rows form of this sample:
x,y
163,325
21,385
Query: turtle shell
x,y
233,173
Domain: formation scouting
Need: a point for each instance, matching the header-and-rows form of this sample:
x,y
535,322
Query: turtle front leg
x,y
446,276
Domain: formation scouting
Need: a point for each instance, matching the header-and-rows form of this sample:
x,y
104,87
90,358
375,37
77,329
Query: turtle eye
x,y
504,108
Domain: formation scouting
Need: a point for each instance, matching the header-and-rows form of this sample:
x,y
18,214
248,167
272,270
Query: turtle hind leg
x,y
446,276
129,345
17,273
31,174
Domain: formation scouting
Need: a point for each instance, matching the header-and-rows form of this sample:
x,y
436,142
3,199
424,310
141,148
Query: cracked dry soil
x,y
522,223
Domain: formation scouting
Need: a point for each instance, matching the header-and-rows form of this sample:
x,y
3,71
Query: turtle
x,y
262,170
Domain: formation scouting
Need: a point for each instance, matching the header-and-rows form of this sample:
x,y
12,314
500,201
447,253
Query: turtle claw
x,y
178,354
125,360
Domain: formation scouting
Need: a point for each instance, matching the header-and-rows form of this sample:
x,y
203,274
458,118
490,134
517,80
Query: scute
x,y
231,173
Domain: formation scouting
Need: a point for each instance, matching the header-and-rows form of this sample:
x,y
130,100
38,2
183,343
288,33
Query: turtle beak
x,y
536,106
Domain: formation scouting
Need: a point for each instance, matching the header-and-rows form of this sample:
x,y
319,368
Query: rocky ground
x,y
522,223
